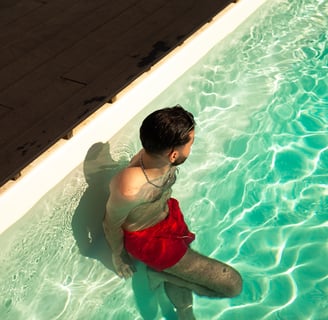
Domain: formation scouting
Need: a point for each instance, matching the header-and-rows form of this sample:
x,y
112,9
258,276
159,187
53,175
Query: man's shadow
x,y
99,168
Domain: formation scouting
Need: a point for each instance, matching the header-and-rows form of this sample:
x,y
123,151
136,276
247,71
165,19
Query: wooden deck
x,y
61,60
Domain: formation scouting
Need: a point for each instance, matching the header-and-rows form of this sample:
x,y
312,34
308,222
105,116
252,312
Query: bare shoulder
x,y
128,181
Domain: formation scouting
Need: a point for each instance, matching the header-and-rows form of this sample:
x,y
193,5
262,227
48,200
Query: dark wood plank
x,y
13,10
50,39
56,76
33,141
37,107
4,110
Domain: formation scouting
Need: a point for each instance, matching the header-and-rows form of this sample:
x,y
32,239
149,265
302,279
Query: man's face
x,y
184,151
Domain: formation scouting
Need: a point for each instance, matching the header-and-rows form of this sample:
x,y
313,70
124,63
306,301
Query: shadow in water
x,y
99,168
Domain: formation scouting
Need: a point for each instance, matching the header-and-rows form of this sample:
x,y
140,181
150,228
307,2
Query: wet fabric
x,y
164,244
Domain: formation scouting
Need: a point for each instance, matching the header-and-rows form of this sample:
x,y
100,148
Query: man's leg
x,y
181,298
199,274
156,278
209,275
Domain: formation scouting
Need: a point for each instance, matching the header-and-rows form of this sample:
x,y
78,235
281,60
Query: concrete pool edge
x,y
16,198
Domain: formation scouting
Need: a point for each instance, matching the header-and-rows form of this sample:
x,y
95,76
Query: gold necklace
x,y
147,178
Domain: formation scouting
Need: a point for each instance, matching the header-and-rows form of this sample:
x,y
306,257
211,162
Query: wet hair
x,y
166,129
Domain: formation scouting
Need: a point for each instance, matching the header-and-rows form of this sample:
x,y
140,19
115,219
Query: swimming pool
x,y
254,189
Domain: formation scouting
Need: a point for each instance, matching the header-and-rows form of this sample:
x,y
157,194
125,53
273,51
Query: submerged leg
x,y
212,275
157,278
181,298
199,274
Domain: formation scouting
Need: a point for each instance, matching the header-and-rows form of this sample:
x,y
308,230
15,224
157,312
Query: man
x,y
143,221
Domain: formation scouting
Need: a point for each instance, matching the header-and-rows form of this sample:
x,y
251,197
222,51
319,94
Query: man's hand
x,y
123,265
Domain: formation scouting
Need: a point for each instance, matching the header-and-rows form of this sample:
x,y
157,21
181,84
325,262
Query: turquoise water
x,y
254,189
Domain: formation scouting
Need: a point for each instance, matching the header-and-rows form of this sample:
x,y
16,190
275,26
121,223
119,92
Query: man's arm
x,y
119,204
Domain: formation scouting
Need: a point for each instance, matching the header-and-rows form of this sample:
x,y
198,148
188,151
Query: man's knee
x,y
235,283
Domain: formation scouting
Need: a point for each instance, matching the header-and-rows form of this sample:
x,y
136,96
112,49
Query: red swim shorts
x,y
164,244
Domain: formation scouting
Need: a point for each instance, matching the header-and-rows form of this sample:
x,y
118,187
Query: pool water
x,y
254,190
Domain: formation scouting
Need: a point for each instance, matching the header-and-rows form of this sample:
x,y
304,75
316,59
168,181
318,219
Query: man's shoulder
x,y
129,180
131,172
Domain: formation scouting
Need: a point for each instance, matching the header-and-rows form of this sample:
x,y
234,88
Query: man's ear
x,y
173,156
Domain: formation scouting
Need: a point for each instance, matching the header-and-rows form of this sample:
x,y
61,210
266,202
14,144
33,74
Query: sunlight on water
x,y
255,189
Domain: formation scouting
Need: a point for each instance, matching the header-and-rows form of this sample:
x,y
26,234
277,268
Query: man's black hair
x,y
166,129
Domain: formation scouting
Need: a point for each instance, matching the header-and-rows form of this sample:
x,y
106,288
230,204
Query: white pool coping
x,y
17,197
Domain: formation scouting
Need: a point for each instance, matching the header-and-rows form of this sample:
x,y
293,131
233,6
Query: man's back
x,y
146,194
